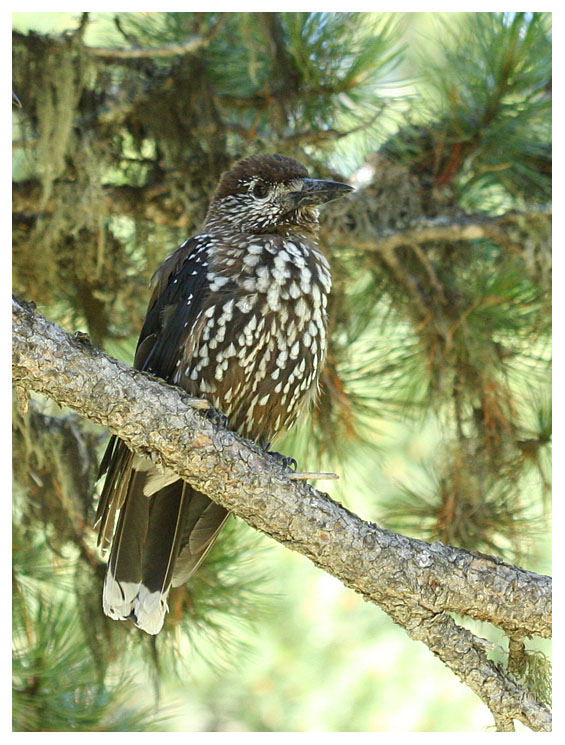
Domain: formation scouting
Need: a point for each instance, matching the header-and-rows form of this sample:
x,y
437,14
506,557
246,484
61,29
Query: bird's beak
x,y
316,191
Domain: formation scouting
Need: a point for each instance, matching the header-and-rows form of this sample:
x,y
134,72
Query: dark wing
x,y
180,288
178,297
159,515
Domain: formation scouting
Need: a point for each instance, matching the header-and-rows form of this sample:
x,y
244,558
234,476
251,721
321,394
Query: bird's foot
x,y
283,460
216,417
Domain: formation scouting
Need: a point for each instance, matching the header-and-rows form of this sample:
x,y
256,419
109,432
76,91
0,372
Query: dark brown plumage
x,y
238,316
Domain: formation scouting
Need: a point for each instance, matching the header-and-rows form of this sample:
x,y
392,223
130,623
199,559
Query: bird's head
x,y
270,194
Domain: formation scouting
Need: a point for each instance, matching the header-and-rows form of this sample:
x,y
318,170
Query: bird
x,y
237,315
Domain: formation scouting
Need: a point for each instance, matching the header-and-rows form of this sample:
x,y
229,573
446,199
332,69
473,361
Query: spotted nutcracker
x,y
238,316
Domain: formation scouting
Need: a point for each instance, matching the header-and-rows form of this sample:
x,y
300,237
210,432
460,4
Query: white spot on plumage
x,y
207,387
305,280
251,325
117,597
280,275
251,260
249,284
282,358
227,310
291,331
301,308
217,281
292,248
245,305
281,257
262,284
273,298
316,295
149,609
294,290
325,279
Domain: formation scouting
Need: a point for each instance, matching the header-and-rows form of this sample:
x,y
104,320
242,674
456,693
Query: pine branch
x,y
170,50
188,46
463,228
417,584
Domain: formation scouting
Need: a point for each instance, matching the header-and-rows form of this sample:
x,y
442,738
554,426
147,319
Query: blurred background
x,y
435,404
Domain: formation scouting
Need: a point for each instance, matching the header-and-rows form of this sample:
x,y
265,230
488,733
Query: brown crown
x,y
269,168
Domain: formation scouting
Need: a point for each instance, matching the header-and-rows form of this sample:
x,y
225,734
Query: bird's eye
x,y
260,190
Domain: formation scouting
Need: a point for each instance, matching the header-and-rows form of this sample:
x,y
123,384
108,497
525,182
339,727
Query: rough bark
x,y
416,583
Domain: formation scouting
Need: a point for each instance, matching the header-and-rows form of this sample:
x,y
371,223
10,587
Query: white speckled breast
x,y
260,338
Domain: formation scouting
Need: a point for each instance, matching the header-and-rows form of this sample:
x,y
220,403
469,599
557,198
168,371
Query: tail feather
x,y
203,522
149,610
117,462
167,514
124,571
164,531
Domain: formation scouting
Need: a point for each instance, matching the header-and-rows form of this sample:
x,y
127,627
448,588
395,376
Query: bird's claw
x,y
216,417
283,460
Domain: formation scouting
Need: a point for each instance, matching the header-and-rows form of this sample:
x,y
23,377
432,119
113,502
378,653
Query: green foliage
x,y
53,684
435,401
492,94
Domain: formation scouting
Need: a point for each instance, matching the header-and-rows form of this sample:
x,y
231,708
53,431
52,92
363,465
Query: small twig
x,y
516,654
461,228
130,39
170,50
189,46
316,475
82,25
201,404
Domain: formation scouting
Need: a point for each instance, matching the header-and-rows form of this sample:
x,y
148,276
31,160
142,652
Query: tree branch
x,y
414,582
462,228
189,46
